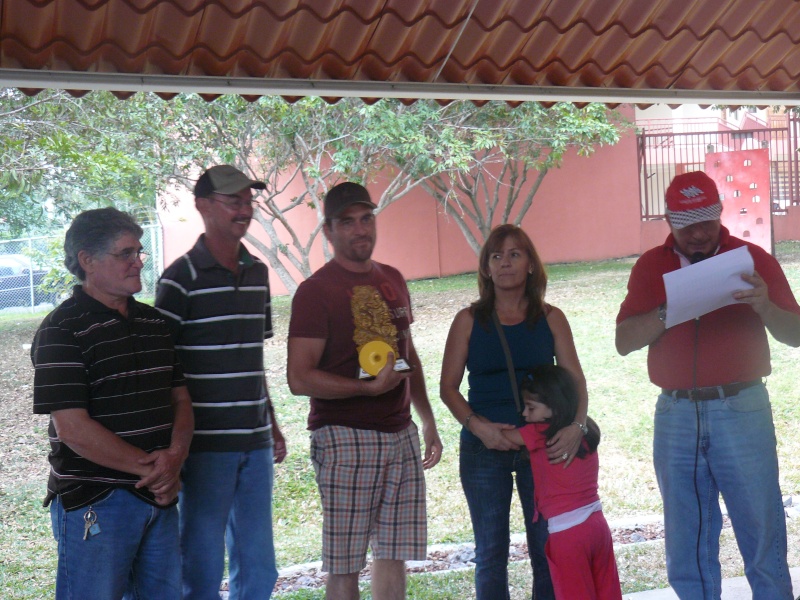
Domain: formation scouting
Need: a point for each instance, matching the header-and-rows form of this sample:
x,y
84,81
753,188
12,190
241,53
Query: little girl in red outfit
x,y
579,550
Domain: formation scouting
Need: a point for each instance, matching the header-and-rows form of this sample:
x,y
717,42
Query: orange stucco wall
x,y
589,209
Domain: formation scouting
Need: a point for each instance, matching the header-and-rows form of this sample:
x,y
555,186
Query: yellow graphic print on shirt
x,y
372,318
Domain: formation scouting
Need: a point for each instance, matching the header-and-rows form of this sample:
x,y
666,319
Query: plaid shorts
x,y
372,488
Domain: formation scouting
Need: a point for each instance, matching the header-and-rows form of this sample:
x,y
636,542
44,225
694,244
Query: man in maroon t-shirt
x,y
713,420
364,445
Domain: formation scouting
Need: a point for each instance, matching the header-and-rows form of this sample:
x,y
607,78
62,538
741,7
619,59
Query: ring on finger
x,y
565,456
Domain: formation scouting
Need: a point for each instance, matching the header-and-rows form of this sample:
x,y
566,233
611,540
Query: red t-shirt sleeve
x,y
309,317
532,436
645,286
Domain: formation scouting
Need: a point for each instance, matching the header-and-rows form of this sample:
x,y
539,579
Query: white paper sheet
x,y
703,287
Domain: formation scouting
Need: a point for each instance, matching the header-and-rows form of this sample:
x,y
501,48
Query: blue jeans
x,y
702,449
134,555
226,501
487,477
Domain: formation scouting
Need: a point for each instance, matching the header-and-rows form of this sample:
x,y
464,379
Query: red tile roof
x,y
625,50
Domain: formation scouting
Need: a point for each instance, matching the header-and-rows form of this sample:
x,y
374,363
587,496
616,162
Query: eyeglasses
x,y
235,203
131,255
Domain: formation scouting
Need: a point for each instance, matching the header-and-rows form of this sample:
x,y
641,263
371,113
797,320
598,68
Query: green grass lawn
x,y
621,401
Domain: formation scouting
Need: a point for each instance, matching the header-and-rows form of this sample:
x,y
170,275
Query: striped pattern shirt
x,y
121,370
219,322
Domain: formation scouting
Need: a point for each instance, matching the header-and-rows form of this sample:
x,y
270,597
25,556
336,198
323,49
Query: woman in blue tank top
x,y
511,283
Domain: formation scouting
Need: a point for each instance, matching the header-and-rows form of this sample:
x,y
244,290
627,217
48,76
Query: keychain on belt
x,y
90,526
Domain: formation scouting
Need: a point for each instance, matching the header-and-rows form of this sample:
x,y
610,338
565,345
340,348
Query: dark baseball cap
x,y
224,179
343,195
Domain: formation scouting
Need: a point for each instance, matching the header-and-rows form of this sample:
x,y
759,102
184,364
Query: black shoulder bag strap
x,y
509,361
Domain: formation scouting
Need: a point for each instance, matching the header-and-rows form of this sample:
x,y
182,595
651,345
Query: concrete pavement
x,y
736,588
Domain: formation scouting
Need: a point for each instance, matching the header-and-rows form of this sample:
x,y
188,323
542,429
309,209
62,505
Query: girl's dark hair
x,y
534,287
557,390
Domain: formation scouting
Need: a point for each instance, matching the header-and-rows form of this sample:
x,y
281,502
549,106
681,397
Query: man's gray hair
x,y
95,231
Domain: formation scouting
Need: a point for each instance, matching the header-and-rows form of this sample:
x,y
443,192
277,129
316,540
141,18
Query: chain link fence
x,y
33,276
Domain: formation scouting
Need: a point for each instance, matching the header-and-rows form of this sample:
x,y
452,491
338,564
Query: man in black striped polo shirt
x,y
216,299
120,421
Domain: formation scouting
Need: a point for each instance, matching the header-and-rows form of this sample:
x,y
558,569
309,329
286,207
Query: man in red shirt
x,y
713,421
364,445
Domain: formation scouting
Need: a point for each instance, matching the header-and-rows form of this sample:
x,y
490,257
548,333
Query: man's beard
x,y
362,252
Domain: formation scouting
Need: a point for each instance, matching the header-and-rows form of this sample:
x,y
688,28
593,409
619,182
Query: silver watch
x,y
584,427
662,313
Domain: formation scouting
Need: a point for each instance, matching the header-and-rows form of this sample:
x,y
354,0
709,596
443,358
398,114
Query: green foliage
x,y
58,280
60,155
484,165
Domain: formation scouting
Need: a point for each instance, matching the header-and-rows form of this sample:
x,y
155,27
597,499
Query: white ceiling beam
x,y
123,82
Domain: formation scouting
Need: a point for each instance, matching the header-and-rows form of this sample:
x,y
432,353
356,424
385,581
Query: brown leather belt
x,y
716,392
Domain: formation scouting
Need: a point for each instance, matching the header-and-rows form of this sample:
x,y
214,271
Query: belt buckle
x,y
703,394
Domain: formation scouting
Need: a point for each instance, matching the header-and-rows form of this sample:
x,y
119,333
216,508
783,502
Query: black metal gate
x,y
664,153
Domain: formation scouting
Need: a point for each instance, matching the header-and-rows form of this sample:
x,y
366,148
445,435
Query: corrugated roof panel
x,y
562,15
705,17
428,34
630,17
626,77
15,21
773,57
20,44
677,54
667,19
488,15
488,55
629,44
541,45
763,60
448,14
778,19
613,49
708,55
291,48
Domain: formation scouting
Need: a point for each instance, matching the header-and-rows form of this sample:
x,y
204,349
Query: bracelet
x,y
466,421
583,426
